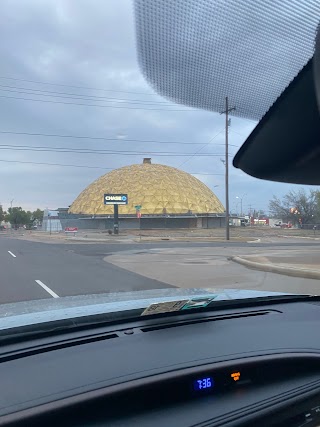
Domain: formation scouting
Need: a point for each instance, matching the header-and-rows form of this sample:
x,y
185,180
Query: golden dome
x,y
157,188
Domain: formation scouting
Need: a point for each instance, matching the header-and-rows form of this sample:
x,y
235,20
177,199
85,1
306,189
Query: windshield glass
x,y
117,179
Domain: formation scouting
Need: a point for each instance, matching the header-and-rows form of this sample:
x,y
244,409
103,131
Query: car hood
x,y
48,310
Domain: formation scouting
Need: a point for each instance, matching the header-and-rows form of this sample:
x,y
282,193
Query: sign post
x,y
138,212
49,216
115,200
115,219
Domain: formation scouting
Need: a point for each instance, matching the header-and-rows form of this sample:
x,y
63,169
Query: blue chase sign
x,y
116,199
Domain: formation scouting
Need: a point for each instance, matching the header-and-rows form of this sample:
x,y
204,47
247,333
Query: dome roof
x,y
157,188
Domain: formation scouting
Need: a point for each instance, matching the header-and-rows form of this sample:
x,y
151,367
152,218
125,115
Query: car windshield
x,y
119,123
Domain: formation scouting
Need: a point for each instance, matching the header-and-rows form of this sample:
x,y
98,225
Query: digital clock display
x,y
203,384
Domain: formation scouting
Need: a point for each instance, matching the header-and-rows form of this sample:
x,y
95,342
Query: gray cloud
x,y
92,44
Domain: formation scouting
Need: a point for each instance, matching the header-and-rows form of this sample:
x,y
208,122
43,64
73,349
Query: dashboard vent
x,y
230,316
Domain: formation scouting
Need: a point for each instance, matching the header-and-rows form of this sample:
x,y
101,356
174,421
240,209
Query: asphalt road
x,y
32,270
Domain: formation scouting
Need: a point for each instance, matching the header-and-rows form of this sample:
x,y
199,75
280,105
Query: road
x,y
32,270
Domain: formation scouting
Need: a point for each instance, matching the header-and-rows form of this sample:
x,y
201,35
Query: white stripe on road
x,y
46,288
12,254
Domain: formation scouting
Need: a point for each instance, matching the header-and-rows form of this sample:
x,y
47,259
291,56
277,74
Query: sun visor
x,y
285,145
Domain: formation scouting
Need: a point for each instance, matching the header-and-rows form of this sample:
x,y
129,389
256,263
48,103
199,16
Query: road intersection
x,y
35,270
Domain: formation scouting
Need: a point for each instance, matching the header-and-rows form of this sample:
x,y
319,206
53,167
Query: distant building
x,y
158,189
51,221
166,196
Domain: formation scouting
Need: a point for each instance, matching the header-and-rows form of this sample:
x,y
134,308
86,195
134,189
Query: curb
x,y
273,268
195,240
89,240
300,237
254,241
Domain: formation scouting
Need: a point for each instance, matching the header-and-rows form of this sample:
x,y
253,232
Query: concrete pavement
x,y
213,266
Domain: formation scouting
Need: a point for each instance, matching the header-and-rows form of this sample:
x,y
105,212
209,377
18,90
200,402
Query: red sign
x,y
71,229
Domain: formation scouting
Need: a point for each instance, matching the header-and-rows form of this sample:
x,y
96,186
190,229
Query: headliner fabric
x,y
197,52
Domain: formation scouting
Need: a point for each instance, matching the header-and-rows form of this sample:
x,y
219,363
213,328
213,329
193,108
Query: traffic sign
x,y
71,230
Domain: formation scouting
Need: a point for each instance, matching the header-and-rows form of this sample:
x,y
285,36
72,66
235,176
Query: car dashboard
x,y
237,365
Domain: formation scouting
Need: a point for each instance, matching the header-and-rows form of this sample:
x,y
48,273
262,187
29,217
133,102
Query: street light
x,y
241,198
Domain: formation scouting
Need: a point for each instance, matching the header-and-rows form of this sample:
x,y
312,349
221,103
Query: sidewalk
x,y
295,263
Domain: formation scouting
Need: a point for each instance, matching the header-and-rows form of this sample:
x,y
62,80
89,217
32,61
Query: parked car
x,y
286,225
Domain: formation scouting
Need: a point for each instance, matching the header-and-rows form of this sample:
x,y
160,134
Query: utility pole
x,y
226,112
11,214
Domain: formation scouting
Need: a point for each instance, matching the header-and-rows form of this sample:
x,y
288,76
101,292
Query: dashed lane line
x,y
46,288
12,254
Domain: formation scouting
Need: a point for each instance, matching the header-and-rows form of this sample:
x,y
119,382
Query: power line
x,y
99,89
55,164
204,173
238,133
100,152
78,87
79,94
95,105
84,166
35,92
197,152
99,138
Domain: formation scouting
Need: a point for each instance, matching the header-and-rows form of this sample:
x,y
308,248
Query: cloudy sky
x,y
69,68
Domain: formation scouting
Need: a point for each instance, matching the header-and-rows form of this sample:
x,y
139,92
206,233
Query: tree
x,y
2,214
37,215
17,217
297,206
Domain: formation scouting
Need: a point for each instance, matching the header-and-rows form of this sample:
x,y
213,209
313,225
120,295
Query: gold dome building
x,y
158,189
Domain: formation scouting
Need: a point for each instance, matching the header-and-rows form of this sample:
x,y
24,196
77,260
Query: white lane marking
x,y
12,254
46,288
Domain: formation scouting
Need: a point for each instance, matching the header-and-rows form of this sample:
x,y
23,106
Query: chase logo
x,y
115,199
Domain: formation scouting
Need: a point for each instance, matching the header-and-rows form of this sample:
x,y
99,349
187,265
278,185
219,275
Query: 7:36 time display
x,y
203,384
